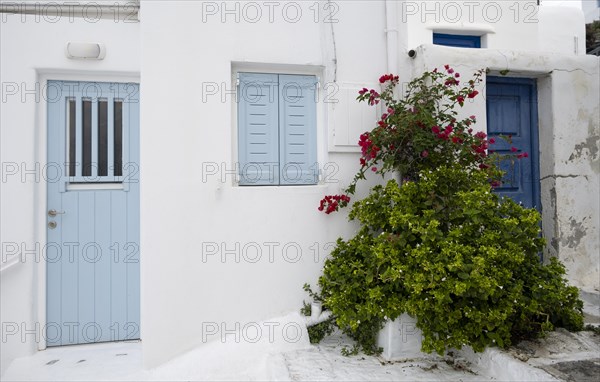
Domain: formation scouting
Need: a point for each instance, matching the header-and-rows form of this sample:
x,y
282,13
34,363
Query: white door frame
x,y
41,188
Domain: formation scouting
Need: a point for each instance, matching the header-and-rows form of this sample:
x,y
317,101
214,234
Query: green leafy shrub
x,y
442,246
453,254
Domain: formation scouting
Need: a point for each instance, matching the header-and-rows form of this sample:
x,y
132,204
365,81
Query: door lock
x,y
53,212
52,224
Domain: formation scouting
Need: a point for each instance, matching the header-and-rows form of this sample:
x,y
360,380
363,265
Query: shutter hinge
x,y
237,79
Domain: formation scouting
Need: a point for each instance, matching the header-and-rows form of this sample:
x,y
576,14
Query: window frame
x,y
457,40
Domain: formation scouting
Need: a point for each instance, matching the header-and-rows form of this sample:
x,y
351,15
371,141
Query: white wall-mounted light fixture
x,y
85,50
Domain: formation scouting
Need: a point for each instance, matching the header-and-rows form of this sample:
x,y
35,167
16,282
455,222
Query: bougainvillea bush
x,y
441,246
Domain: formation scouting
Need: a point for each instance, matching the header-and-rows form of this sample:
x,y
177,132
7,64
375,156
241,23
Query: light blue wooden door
x,y
92,251
512,111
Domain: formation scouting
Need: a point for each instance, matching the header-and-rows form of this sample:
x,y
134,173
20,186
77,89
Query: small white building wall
x,y
591,10
188,133
509,25
32,51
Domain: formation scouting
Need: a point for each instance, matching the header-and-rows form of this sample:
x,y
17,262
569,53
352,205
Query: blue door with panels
x,y
92,251
512,112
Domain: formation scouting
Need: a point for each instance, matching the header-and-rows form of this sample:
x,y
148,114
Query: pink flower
x,y
388,77
374,169
492,141
425,154
514,149
473,94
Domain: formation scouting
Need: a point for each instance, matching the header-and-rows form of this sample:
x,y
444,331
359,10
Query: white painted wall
x,y
508,25
570,39
591,10
32,50
184,210
195,221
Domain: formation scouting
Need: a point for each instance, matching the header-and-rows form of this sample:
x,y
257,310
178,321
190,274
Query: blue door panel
x,y
118,282
102,265
512,112
87,246
93,292
132,249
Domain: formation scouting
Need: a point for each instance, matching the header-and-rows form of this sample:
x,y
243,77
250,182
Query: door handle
x,y
54,213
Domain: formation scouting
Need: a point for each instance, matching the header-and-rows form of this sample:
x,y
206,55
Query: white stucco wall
x,y
508,25
186,208
32,50
591,10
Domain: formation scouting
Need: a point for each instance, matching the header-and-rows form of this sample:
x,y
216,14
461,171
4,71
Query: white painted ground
x,y
222,362
277,361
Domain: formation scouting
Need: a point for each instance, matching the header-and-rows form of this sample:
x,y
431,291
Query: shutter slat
x,y
258,129
298,126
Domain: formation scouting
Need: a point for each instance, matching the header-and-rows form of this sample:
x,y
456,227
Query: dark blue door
x,y
512,112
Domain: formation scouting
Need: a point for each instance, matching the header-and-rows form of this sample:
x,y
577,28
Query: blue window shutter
x,y
258,129
298,129
459,41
